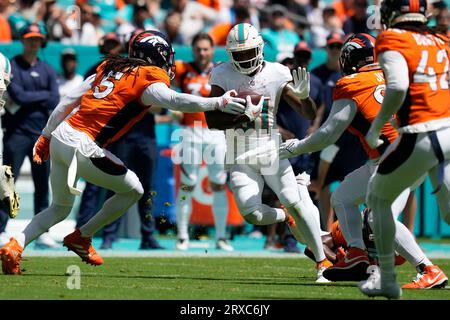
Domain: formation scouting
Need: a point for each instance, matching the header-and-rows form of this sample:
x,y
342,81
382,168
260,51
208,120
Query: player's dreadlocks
x,y
116,63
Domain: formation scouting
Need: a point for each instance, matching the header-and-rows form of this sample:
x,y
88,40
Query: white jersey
x,y
269,82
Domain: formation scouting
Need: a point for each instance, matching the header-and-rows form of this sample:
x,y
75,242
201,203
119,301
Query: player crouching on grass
x,y
111,102
429,276
8,195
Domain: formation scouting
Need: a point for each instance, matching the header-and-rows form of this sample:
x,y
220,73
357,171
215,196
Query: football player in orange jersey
x,y
357,100
192,77
336,248
415,61
110,102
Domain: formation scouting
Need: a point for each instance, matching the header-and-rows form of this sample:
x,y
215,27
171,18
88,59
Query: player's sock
x,y
407,246
350,222
112,209
263,215
308,228
384,232
183,213
220,211
43,221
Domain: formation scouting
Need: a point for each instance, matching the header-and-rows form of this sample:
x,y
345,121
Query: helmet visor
x,y
246,57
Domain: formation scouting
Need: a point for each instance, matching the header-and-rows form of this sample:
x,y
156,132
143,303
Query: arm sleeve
x,y
66,105
341,115
395,70
160,95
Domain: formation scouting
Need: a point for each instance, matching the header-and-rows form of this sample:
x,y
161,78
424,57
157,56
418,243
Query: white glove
x,y
252,111
229,103
301,82
288,149
373,138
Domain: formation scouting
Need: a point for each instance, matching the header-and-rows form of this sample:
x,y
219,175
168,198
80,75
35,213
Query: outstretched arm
x,y
158,94
341,115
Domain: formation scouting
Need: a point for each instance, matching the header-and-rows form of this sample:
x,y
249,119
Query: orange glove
x,y
41,150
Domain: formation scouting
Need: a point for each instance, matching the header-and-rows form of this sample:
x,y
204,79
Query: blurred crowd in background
x,y
282,22
292,28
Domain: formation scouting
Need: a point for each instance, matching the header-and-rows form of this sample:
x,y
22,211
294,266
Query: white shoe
x,y
45,241
373,287
320,278
223,244
4,238
182,244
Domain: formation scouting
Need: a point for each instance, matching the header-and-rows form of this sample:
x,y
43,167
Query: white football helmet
x,y
245,48
5,77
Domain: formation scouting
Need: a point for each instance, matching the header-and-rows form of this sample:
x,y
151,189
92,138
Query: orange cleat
x,y
82,246
431,278
353,266
324,264
11,254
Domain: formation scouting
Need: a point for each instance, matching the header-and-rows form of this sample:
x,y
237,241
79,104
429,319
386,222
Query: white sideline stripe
x,y
177,254
168,254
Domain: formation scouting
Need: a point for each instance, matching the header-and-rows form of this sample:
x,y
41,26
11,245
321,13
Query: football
x,y
255,97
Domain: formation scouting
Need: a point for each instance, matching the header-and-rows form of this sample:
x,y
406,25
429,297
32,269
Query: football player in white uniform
x,y
8,195
251,76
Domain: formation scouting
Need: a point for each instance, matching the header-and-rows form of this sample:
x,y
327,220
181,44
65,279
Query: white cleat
x,y
320,277
45,241
223,244
372,287
182,244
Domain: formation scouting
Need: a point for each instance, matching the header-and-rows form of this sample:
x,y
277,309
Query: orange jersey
x,y
112,106
427,56
366,89
193,81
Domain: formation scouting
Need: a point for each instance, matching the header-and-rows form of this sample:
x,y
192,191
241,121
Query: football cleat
x,y
8,195
11,254
372,287
223,244
430,278
182,244
352,267
321,267
82,246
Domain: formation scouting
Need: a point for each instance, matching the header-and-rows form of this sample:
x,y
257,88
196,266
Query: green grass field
x,y
189,278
